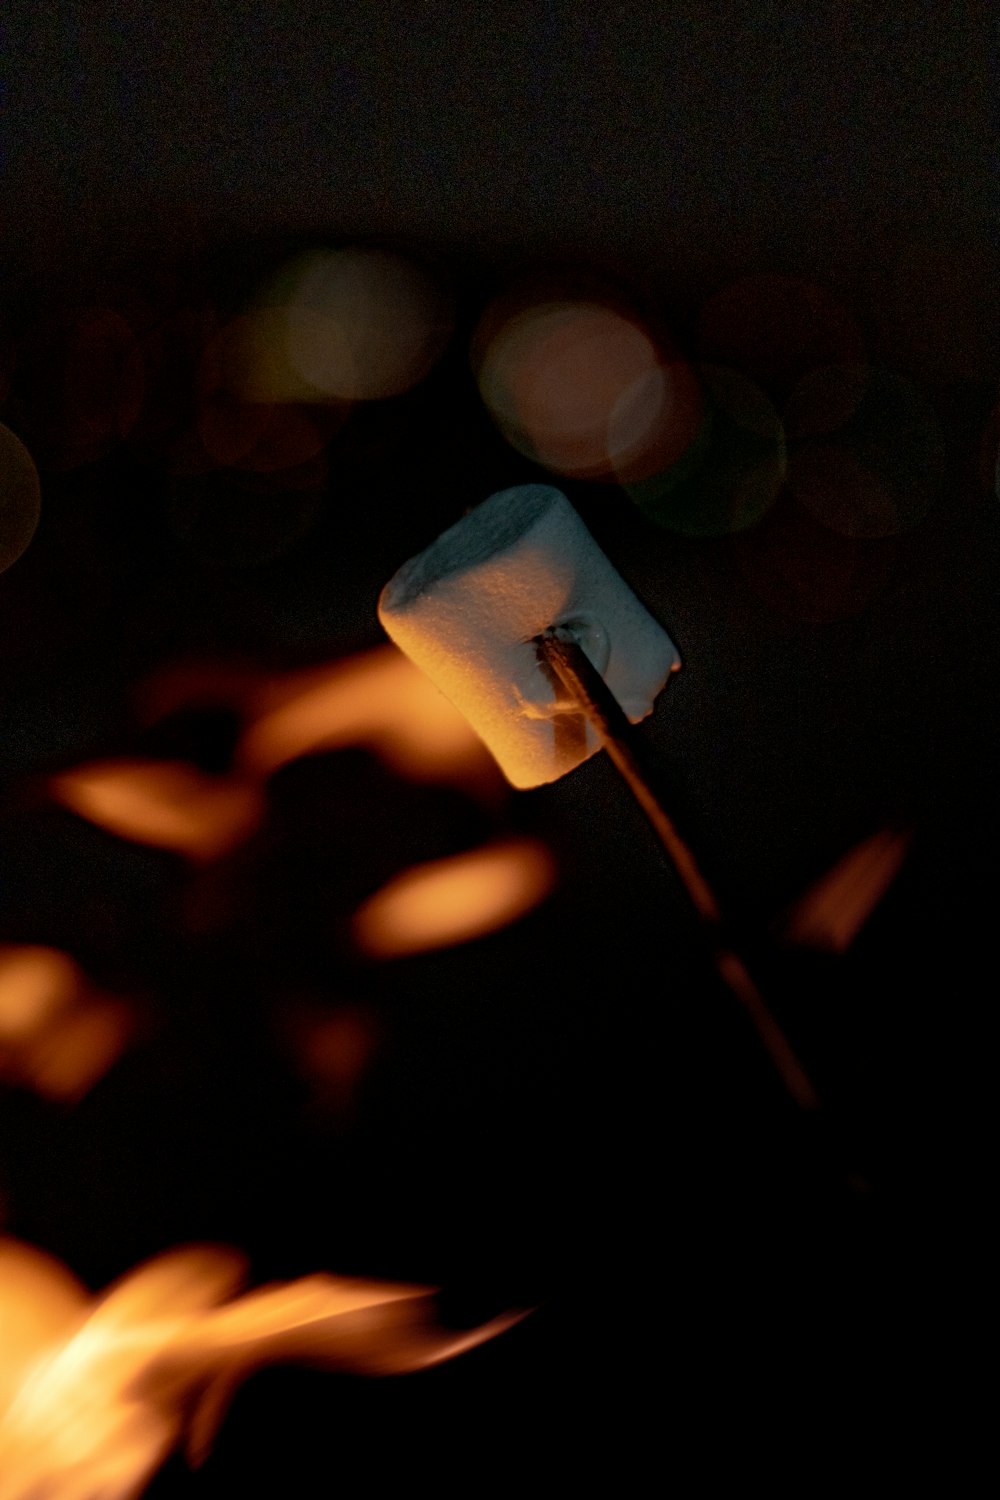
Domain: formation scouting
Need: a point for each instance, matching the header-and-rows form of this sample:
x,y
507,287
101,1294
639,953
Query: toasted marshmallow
x,y
469,609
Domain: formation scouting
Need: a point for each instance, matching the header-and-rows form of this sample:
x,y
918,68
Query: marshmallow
x,y
468,608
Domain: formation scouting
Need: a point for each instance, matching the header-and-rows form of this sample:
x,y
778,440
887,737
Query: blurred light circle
x,y
866,450
259,349
357,324
776,329
586,391
246,432
731,476
20,497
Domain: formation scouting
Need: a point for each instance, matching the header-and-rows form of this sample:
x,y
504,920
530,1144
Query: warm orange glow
x,y
67,1062
40,1303
193,684
58,1035
378,699
36,983
585,390
94,1396
449,901
167,804
832,912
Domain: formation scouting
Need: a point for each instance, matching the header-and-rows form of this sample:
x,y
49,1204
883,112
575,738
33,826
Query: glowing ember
x,y
449,901
377,699
96,1395
167,804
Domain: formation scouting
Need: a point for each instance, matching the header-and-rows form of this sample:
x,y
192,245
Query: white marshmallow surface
x,y
467,608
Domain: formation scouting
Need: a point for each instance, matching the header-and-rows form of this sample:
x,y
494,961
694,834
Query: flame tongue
x,y
97,1401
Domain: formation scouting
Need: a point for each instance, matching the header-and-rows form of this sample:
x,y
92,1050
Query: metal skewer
x,y
571,670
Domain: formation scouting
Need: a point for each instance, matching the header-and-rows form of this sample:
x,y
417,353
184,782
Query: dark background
x,y
569,1114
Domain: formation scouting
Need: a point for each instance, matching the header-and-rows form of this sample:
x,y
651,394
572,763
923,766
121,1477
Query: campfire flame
x,y
167,804
376,699
95,1394
449,901
58,1035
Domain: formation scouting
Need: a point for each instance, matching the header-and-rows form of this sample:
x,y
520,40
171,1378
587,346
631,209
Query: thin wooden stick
x,y
568,665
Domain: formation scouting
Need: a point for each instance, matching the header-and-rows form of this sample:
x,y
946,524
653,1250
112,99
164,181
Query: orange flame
x,y
57,1034
449,901
376,698
167,804
94,1396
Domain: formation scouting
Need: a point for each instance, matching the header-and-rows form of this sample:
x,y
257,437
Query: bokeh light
x,y
450,901
866,450
20,498
586,390
355,324
241,430
732,475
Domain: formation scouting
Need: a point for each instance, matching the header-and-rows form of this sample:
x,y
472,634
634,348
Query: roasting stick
x,y
565,660
515,605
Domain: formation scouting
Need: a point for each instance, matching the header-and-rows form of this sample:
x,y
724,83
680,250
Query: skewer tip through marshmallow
x,y
469,609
